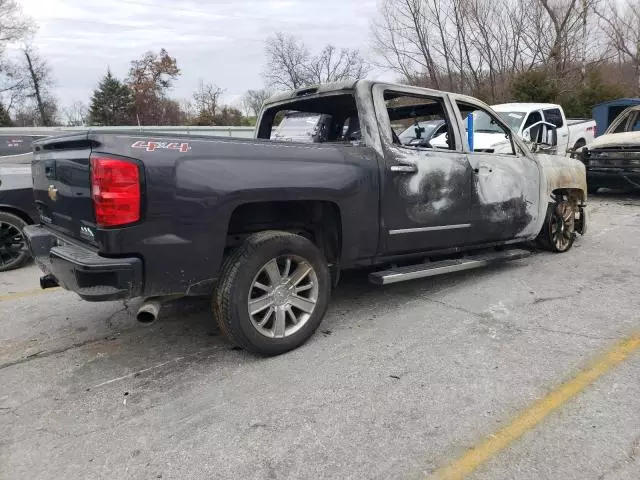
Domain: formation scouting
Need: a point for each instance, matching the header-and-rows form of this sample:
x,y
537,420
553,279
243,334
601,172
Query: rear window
x,y
313,119
554,116
297,126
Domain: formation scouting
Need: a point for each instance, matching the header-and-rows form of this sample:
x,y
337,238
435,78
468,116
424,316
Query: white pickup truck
x,y
572,133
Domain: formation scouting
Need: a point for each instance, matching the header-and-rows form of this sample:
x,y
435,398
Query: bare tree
x,y
30,94
75,115
253,100
479,46
14,27
38,76
207,98
622,28
404,41
333,65
291,66
287,59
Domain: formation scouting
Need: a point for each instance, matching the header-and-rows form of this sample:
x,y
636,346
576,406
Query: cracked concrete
x,y
406,378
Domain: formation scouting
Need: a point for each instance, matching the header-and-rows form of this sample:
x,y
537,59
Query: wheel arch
x,y
17,212
318,220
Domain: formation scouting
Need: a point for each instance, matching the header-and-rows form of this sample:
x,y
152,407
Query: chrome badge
x,y
86,232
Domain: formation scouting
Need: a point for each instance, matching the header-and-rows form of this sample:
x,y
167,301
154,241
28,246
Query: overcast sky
x,y
219,41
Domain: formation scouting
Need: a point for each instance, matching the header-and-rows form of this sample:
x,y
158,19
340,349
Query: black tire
x,y
592,190
13,247
557,235
239,273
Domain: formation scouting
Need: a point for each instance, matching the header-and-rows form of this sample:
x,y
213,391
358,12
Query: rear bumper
x,y
82,270
613,177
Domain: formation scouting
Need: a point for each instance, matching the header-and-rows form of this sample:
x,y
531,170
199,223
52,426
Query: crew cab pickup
x,y
572,133
265,226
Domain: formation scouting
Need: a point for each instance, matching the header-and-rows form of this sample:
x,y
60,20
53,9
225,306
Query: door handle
x,y
484,168
405,168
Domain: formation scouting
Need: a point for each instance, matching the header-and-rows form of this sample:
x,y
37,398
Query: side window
x,y
418,121
554,116
534,117
621,125
489,135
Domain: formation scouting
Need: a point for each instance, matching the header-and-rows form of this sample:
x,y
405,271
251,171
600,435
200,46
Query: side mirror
x,y
541,136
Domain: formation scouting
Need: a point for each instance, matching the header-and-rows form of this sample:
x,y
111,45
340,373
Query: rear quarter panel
x,y
191,196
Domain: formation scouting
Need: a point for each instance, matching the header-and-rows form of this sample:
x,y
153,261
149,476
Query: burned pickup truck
x,y
265,227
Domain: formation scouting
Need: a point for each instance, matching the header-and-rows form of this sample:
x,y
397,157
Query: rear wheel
x,y
558,232
273,292
13,246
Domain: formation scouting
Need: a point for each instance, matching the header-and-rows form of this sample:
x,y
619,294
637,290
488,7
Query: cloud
x,y
219,41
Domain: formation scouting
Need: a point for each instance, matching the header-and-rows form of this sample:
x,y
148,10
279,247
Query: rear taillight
x,y
115,190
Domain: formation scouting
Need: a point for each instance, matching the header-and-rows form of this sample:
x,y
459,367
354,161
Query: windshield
x,y
410,133
513,119
483,123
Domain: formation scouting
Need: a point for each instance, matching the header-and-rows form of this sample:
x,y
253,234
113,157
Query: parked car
x,y
17,210
572,133
266,227
613,159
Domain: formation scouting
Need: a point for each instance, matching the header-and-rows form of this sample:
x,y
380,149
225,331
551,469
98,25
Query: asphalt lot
x,y
397,383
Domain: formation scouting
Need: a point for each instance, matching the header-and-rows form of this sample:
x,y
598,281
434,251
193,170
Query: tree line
x,y
574,52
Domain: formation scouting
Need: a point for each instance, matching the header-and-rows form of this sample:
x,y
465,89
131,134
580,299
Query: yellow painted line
x,y
32,293
535,414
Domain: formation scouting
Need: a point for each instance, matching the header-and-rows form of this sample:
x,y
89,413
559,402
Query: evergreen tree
x,y
112,103
5,119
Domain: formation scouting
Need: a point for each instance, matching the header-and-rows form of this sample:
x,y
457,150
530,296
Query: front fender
x,y
563,173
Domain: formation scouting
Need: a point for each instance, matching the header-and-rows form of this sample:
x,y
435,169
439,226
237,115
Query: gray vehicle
x,y
17,210
265,227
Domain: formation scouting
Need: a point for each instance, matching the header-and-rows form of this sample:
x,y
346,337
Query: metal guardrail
x,y
239,132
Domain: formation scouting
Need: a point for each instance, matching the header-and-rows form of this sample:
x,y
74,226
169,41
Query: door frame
x,y
389,236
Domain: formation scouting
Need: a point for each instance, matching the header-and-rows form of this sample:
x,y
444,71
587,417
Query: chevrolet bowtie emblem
x,y
53,193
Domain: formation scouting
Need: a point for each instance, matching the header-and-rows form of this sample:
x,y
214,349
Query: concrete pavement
x,y
397,382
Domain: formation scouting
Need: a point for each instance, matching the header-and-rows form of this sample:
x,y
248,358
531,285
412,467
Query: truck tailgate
x,y
62,185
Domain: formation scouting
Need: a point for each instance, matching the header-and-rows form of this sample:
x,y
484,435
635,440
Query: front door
x,y
506,183
426,200
554,116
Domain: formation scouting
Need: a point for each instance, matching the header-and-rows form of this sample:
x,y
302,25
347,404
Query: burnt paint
x,y
437,195
505,196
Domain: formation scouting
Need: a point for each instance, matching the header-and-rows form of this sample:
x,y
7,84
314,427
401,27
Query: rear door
x,y
555,116
62,185
425,198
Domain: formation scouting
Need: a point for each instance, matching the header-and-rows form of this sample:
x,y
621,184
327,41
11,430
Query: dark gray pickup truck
x,y
265,227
